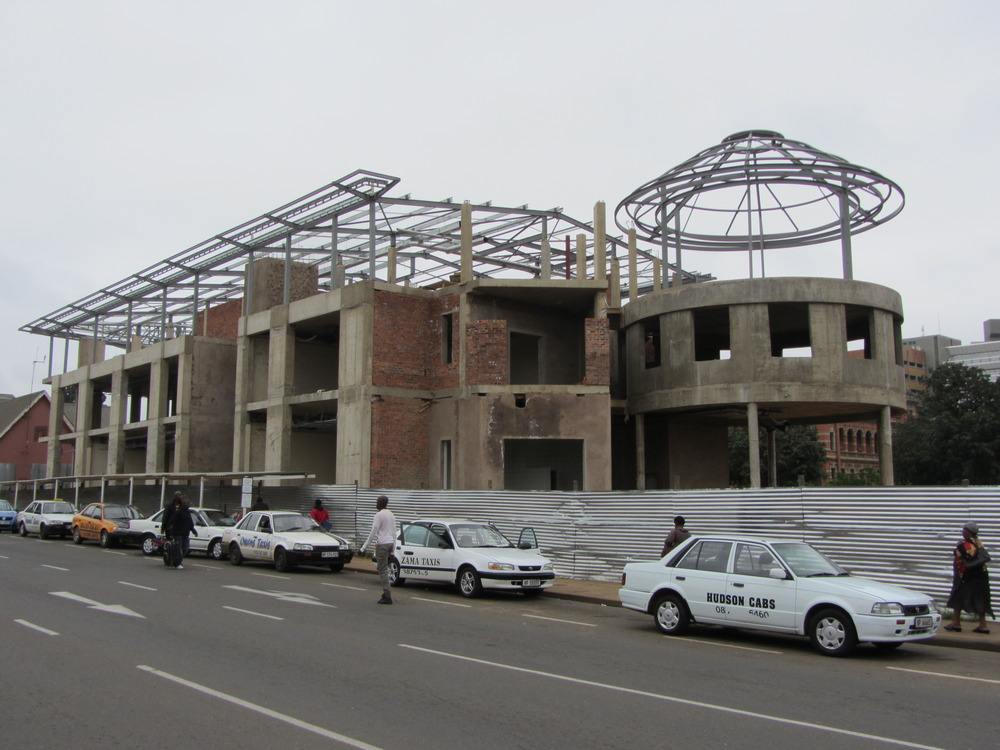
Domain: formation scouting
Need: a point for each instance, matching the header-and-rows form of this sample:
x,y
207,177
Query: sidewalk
x,y
606,592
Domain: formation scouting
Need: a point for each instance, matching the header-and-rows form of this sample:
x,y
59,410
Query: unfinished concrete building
x,y
397,342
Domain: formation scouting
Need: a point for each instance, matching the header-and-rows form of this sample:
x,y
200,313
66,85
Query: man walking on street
x,y
177,525
384,534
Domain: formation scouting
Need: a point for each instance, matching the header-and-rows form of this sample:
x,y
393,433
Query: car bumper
x,y
638,600
897,629
8,523
516,580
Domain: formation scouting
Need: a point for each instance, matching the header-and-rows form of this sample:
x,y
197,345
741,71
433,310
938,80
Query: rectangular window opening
x,y
789,325
651,342
446,464
447,338
711,334
859,331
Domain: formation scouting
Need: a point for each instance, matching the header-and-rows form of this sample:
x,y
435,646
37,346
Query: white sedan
x,y
470,554
780,586
286,539
46,518
208,522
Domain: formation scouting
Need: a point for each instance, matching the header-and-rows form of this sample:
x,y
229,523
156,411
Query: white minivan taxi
x,y
775,585
469,554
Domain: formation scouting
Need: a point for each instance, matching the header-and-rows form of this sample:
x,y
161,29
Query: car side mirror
x,y
527,539
778,573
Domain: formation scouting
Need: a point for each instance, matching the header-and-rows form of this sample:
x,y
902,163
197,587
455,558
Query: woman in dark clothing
x,y
178,524
970,587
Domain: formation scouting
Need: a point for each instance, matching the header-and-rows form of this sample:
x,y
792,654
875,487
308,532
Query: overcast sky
x,y
133,130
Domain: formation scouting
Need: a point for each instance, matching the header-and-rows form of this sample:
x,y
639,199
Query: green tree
x,y
799,453
956,433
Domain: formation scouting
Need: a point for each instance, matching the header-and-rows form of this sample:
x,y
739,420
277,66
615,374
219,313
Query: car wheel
x,y
336,567
671,614
469,584
832,632
42,533
215,549
281,563
24,531
77,539
887,646
395,579
149,545
105,539
235,556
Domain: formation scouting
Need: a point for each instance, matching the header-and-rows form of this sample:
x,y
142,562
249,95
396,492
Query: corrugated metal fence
x,y
901,535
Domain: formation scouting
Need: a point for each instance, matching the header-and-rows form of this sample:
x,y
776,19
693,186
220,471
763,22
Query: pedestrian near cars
x,y
178,525
383,534
970,583
320,515
677,535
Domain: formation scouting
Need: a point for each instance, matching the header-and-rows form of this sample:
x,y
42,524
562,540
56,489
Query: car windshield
x,y
4,505
121,511
57,508
478,535
217,518
806,561
286,522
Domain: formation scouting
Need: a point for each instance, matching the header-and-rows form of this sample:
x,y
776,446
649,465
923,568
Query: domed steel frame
x,y
758,190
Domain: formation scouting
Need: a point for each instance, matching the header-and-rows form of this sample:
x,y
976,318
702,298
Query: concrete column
x,y
116,436
885,447
633,266
600,241
753,430
182,436
466,242
545,259
581,256
278,438
657,281
241,458
615,286
390,270
53,450
772,457
281,362
84,408
156,450
640,451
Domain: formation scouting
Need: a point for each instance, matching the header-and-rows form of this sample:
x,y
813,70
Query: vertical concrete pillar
x,y
753,431
657,281
640,451
278,438
581,256
772,458
84,418
156,449
182,434
390,270
600,241
116,434
615,286
633,266
545,259
885,447
466,242
54,449
241,433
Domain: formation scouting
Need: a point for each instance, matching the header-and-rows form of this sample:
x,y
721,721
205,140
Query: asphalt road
x,y
111,649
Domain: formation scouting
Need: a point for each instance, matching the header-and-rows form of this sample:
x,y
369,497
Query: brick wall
x,y
399,447
486,353
223,320
597,340
407,347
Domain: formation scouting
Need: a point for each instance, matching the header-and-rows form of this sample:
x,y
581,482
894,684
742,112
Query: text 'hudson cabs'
x,y
779,586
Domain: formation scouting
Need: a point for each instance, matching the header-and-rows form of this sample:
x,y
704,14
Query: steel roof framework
x,y
344,229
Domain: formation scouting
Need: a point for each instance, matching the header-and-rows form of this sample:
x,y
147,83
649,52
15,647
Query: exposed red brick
x,y
487,353
598,352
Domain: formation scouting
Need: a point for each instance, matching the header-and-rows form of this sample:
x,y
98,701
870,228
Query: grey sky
x,y
133,130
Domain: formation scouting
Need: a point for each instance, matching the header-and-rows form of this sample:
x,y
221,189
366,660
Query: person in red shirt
x,y
320,516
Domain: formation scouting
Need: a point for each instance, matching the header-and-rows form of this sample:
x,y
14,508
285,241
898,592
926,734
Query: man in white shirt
x,y
384,534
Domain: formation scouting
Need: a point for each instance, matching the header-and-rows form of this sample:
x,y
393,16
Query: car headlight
x,y
547,566
500,566
302,547
887,608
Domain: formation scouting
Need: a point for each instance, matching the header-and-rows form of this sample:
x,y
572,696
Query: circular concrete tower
x,y
757,352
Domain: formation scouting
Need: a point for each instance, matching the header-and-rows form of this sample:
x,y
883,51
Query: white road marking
x,y
4,557
344,739
136,585
568,622
438,601
54,567
284,596
113,552
39,628
682,701
117,609
271,575
942,674
248,612
342,586
729,645
205,567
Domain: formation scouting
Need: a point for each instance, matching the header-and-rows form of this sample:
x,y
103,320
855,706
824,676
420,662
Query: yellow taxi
x,y
106,522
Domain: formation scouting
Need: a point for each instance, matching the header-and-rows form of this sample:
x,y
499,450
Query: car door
x,y
258,539
759,599
425,552
200,542
30,517
89,527
701,576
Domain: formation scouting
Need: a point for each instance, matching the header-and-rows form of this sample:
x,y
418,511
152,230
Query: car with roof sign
x,y
46,518
775,585
472,555
284,539
108,523
209,523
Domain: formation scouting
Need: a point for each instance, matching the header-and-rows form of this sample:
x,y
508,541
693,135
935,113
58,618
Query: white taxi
x,y
286,539
209,524
780,586
470,554
45,517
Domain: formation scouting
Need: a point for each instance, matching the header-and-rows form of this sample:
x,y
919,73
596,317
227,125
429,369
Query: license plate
x,y
922,622
331,554
530,583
